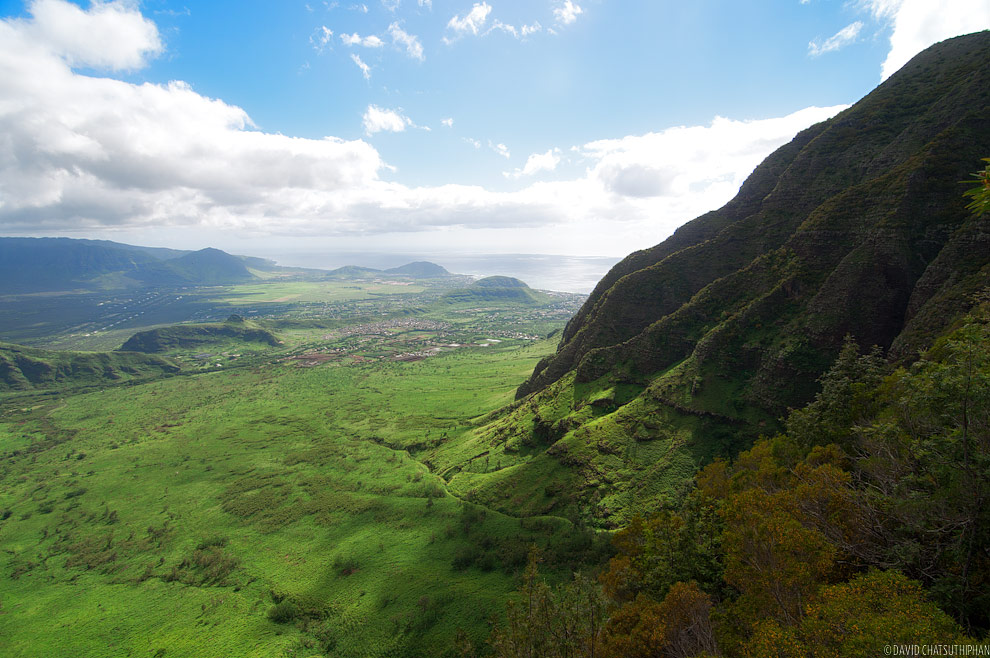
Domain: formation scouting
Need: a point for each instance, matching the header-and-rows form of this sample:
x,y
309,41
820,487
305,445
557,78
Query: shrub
x,y
216,540
283,613
345,566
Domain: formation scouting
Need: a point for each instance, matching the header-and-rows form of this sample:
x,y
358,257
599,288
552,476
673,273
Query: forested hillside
x,y
864,525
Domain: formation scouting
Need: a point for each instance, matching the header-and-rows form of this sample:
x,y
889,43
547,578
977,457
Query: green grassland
x,y
322,291
282,503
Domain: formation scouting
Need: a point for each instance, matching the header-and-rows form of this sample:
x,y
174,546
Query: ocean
x,y
577,274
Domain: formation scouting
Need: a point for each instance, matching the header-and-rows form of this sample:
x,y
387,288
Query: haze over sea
x,y
577,274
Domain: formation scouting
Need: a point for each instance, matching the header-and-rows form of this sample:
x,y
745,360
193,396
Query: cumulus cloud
x,y
472,22
391,5
378,120
917,24
679,162
536,163
110,35
426,3
88,151
449,122
370,41
843,37
567,13
88,154
408,41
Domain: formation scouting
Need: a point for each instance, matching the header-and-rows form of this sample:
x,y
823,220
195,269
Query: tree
x,y
857,618
562,622
981,192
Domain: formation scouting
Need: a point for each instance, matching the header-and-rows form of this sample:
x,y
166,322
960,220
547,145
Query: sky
x,y
579,127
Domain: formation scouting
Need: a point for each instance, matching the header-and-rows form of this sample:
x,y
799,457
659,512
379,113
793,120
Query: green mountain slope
x,y
204,267
495,289
25,368
56,264
185,336
694,347
35,264
418,269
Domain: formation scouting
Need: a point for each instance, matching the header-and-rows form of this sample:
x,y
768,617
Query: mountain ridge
x,y
692,349
770,209
56,264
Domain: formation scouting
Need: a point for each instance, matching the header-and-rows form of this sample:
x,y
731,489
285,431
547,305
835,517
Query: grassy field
x,y
318,291
259,511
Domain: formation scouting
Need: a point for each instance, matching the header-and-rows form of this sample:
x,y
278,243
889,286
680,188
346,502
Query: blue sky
x,y
589,127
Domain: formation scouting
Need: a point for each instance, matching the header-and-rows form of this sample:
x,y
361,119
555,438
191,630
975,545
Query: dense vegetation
x,y
24,368
866,524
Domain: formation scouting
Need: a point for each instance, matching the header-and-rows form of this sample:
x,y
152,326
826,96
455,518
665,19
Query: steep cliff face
x,y
693,348
856,226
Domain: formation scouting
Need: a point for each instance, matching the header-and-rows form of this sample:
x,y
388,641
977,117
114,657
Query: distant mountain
x,y
161,253
351,271
186,336
495,288
50,264
37,264
499,282
204,267
422,269
27,368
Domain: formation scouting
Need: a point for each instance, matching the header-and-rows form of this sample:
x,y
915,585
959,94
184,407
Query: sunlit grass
x,y
175,514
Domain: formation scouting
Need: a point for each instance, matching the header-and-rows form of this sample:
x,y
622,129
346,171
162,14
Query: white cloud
x,y
504,27
472,21
519,33
843,37
473,142
321,38
370,41
111,35
449,122
377,119
426,3
88,155
82,151
526,30
567,13
678,162
408,41
536,163
391,5
365,69
917,24
501,149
